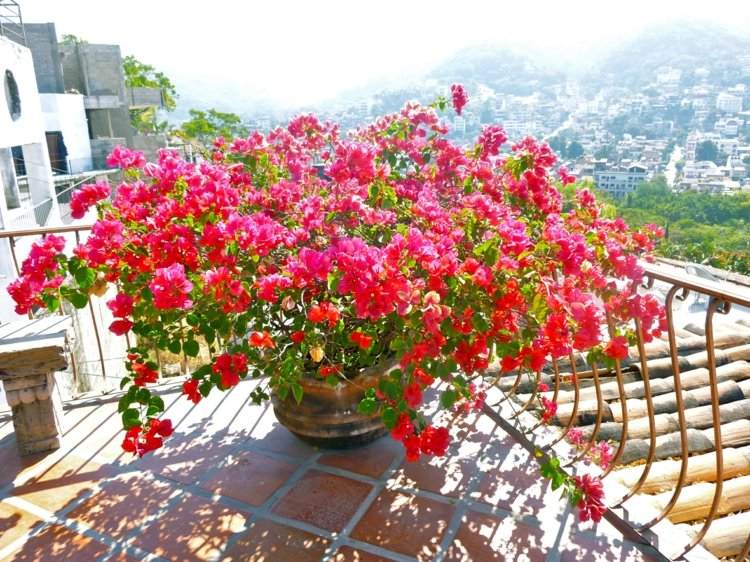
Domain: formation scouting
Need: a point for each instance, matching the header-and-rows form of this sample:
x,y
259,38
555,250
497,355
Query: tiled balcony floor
x,y
233,485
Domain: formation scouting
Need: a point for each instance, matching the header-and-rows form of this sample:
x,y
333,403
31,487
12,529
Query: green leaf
x,y
333,380
78,300
389,417
156,402
297,392
130,418
143,396
123,404
85,277
448,398
205,388
283,391
51,302
124,382
191,348
367,407
175,346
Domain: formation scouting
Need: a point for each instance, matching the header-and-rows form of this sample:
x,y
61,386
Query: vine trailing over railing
x,y
302,253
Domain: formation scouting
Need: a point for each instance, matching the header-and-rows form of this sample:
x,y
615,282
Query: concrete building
x,y
619,181
83,90
728,103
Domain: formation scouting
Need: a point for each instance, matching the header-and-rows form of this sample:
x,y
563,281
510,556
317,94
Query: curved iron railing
x,y
682,433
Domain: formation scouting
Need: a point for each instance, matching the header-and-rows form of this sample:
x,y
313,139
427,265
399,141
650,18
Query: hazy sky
x,y
297,52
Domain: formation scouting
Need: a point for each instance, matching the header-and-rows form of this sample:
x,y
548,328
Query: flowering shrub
x,y
304,253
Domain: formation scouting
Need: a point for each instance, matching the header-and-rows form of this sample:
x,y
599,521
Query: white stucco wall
x,y
65,113
28,128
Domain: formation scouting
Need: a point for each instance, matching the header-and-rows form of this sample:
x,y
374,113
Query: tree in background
x,y
706,151
141,75
205,126
574,150
700,227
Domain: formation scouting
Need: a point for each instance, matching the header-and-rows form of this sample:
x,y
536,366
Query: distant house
x,y
619,181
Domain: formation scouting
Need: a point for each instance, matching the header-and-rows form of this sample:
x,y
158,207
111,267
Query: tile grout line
x,y
265,509
463,505
49,518
58,517
378,486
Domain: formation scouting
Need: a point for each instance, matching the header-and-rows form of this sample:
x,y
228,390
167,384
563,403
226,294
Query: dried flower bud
x,y
287,303
99,288
317,353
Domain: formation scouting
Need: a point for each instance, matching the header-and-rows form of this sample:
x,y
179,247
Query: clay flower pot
x,y
327,416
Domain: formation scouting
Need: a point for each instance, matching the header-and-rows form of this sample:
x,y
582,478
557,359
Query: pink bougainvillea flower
x,y
459,98
617,348
591,505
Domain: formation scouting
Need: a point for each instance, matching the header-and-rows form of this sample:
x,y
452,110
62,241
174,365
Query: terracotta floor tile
x,y
372,460
193,529
349,554
405,523
57,544
446,476
270,435
14,523
186,458
486,538
250,477
592,549
267,541
64,481
123,557
324,500
14,465
123,504
515,485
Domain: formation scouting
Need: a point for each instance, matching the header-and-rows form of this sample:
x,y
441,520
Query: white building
x,y
65,122
27,195
728,103
619,182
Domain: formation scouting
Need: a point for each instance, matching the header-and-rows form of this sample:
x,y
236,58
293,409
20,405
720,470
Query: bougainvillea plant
x,y
309,253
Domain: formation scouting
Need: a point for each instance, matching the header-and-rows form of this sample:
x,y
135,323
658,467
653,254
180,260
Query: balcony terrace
x,y
232,484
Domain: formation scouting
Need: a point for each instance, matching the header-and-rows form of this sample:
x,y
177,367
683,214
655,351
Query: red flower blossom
x,y
262,339
87,196
434,441
591,505
362,340
403,428
617,348
120,327
231,367
121,306
297,336
413,395
190,389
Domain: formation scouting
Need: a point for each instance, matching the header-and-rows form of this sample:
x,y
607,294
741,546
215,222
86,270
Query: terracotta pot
x,y
327,416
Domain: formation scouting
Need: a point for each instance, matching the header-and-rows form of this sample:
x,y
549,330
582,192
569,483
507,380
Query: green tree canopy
x,y
575,150
706,150
205,126
141,75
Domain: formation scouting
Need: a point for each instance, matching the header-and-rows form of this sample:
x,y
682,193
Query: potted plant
x,y
348,273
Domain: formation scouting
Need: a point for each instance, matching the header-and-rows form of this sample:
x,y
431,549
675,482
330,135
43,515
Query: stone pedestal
x,y
27,372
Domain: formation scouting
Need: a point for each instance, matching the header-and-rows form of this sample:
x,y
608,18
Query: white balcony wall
x,y
66,113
